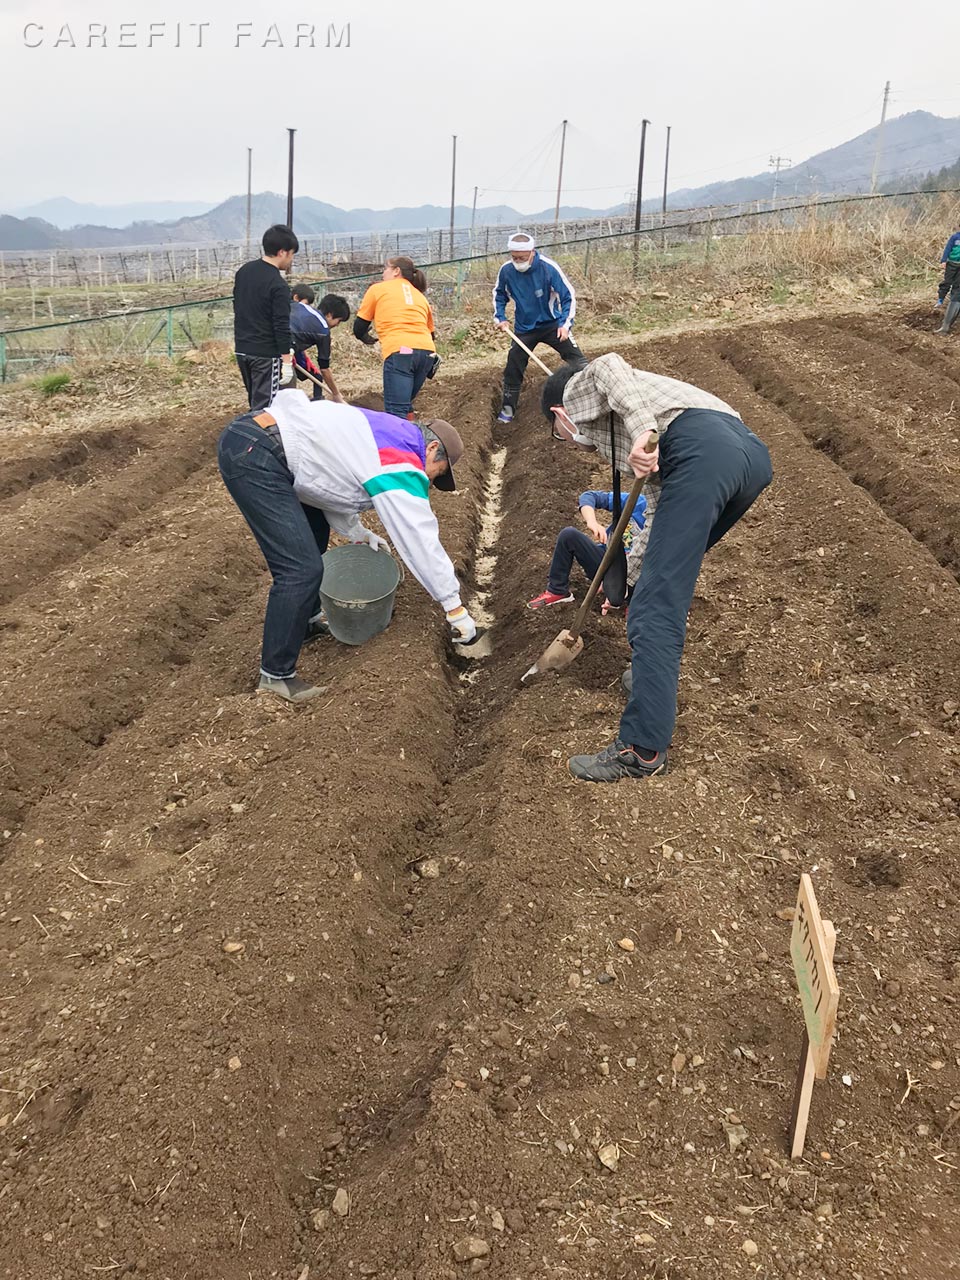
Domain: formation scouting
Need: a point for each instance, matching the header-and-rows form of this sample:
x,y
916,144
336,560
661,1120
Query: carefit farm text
x,y
187,35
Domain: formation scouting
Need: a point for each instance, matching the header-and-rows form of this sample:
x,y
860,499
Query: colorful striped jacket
x,y
346,460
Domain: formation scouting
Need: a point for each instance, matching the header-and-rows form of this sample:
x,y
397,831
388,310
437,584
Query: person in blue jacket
x,y
310,326
572,545
950,284
544,307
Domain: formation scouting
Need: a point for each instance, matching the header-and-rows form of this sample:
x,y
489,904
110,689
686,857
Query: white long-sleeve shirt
x,y
346,460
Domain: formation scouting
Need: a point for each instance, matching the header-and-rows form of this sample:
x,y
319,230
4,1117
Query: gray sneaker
x,y
317,629
615,762
292,689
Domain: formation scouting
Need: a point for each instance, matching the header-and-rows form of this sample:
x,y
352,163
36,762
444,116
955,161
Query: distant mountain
x,y
27,233
914,146
65,213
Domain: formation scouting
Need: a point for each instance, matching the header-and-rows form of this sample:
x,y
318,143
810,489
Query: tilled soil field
x,y
338,991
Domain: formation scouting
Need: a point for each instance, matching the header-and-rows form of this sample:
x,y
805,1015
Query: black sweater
x,y
261,310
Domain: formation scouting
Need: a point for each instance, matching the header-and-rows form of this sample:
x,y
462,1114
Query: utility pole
x,y
876,154
636,216
663,207
563,145
776,164
249,194
453,192
473,217
291,132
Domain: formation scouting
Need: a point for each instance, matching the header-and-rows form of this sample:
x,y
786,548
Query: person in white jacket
x,y
304,467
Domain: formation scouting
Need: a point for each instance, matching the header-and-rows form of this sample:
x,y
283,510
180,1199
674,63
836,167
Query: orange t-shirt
x,y
401,314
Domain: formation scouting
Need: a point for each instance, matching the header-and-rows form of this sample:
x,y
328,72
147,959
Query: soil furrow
x,y
366,954
78,458
54,525
927,505
924,351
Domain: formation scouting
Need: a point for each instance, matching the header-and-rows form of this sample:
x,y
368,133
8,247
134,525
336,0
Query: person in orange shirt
x,y
405,327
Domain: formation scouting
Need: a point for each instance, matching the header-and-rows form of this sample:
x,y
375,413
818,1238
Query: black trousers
x,y
572,545
713,470
518,359
261,379
950,282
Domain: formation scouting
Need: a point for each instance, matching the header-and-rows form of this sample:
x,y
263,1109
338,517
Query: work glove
x,y
462,626
374,540
287,373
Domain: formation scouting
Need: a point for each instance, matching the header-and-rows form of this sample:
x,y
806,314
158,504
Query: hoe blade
x,y
557,655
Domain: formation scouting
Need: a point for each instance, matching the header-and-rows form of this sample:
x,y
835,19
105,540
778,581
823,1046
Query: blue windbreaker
x,y
541,296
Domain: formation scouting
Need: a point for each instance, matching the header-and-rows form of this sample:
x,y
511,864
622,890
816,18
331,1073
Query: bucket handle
x,y
399,564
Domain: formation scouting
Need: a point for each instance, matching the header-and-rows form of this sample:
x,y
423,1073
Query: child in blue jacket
x,y
544,307
572,545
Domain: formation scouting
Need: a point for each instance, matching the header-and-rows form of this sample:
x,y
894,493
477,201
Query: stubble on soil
x,y
340,987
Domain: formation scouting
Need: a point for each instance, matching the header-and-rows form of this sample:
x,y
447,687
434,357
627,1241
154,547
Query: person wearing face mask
x,y
544,308
706,472
398,309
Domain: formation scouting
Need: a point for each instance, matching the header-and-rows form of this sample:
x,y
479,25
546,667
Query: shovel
x,y
569,643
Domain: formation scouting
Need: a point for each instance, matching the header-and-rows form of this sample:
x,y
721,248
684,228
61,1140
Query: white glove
x,y
287,374
462,625
374,540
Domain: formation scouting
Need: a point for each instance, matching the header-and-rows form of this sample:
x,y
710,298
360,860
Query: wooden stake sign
x,y
811,950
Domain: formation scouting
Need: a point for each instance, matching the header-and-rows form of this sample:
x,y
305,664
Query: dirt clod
x,y
470,1247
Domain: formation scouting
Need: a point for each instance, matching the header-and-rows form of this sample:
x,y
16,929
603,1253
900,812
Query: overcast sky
x,y
737,81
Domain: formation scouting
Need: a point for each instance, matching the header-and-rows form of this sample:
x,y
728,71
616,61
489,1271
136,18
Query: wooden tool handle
x,y
614,538
523,347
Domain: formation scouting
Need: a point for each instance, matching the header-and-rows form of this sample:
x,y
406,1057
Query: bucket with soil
x,y
358,591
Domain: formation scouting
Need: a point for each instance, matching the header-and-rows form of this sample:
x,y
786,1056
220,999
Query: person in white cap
x,y
544,307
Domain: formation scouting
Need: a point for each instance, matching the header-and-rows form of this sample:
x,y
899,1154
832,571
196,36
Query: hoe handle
x,y
523,347
614,538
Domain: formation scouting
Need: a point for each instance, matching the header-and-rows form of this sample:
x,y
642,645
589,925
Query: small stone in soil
x,y
609,1156
750,1248
341,1202
428,869
627,944
470,1247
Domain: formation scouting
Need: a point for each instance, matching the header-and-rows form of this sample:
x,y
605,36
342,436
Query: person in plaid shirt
x,y
707,471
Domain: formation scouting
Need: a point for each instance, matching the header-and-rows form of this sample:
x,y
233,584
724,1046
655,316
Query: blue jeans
x,y
403,376
713,470
572,545
291,536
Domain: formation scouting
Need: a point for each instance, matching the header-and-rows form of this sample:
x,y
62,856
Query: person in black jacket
x,y
261,319
310,326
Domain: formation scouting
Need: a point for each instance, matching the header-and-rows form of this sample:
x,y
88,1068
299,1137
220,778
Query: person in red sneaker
x,y
586,549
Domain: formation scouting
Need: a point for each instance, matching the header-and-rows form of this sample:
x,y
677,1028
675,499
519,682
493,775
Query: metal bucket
x,y
358,591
